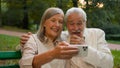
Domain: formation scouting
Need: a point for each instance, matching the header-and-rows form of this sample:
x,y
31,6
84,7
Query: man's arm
x,y
24,38
100,55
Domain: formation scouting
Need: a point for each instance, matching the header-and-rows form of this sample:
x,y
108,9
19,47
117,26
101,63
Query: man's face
x,y
75,24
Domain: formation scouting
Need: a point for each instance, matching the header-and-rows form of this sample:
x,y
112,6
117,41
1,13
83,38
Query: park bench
x,y
8,55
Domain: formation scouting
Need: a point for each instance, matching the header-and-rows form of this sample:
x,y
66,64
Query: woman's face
x,y
53,26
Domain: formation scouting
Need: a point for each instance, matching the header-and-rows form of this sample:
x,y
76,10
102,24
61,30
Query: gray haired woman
x,y
40,50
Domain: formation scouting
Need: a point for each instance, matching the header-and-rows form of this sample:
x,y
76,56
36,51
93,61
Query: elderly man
x,y
99,55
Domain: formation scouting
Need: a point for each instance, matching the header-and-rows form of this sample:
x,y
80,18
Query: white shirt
x,y
99,55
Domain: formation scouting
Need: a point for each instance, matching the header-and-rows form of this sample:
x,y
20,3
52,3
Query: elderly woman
x,y
43,50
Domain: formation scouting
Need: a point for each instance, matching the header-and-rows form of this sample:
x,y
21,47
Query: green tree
x,y
20,13
13,14
24,13
103,17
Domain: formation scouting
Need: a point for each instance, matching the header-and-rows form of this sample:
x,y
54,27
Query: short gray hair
x,y
76,10
47,14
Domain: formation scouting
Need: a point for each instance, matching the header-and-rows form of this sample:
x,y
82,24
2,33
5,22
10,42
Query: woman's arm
x,y
61,51
30,59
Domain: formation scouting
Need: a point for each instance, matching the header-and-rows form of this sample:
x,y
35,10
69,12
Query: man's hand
x,y
24,38
74,39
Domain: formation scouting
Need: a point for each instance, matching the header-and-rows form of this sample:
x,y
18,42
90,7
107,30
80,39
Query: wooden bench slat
x,y
10,55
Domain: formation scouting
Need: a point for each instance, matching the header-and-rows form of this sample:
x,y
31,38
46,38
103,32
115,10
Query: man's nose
x,y
76,27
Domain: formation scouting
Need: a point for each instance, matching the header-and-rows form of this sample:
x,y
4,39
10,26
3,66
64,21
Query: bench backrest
x,y
8,55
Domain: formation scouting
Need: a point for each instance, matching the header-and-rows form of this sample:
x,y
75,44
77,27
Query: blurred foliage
x,y
106,17
113,37
13,11
102,14
114,41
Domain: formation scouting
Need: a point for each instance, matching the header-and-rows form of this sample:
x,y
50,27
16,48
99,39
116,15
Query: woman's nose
x,y
57,23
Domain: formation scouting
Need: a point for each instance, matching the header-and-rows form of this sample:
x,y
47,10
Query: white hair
x,y
76,10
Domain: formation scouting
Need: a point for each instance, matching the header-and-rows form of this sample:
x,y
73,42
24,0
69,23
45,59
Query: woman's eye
x,y
61,22
71,23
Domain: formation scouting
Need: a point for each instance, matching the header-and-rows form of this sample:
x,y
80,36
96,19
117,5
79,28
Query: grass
x,y
116,55
10,43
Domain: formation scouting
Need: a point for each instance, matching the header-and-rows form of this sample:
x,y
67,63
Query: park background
x,y
25,15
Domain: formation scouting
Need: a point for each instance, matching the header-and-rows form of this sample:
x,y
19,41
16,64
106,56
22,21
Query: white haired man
x,y
99,55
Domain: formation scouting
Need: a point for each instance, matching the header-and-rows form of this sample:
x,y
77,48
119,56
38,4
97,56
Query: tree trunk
x,y
0,22
60,3
25,19
75,3
87,12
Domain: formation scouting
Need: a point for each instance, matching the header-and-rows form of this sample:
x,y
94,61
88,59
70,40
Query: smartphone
x,y
83,50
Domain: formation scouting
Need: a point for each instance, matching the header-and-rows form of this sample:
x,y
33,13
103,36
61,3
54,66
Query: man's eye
x,y
53,20
79,23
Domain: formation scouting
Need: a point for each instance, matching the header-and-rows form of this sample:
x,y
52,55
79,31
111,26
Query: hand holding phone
x,y
80,43
77,39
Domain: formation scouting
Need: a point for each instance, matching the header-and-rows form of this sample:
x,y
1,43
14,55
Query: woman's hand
x,y
63,50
